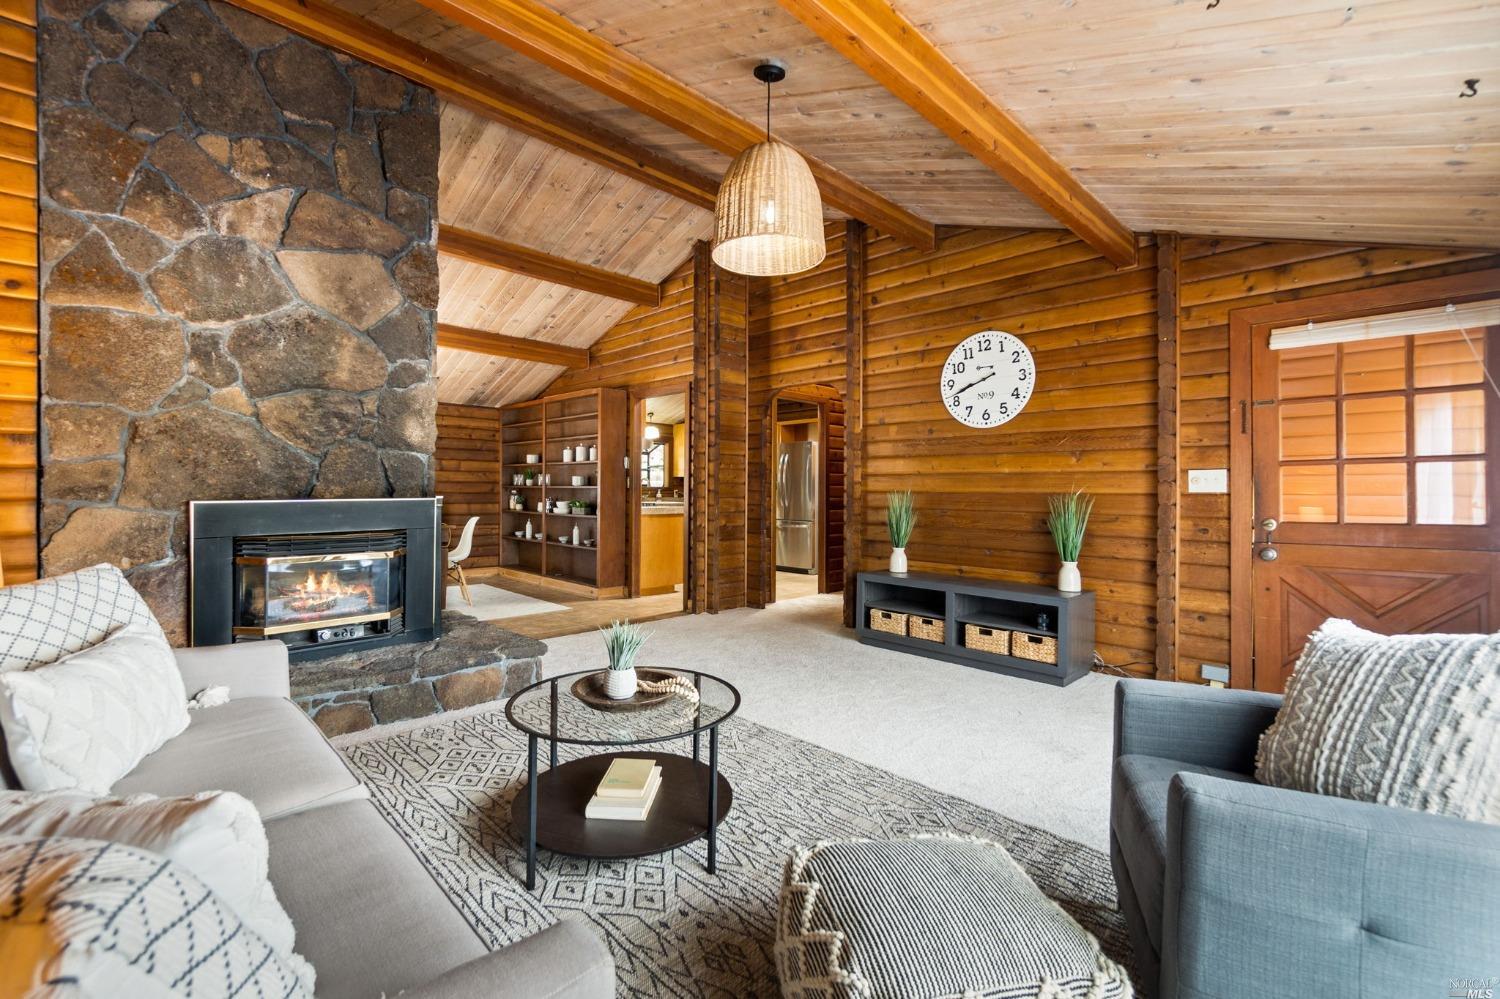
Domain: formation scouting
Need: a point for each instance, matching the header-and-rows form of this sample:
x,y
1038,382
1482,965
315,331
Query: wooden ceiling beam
x,y
515,347
484,95
875,37
478,248
552,40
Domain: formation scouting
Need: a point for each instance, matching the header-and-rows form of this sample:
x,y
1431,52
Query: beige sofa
x,y
368,916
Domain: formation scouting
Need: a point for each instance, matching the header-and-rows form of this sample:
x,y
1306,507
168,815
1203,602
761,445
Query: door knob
x,y
1268,525
1268,554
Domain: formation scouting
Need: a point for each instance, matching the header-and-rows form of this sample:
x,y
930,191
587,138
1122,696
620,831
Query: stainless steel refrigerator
x,y
797,507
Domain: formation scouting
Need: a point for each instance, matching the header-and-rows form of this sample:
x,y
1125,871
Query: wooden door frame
x,y
637,395
819,394
1245,325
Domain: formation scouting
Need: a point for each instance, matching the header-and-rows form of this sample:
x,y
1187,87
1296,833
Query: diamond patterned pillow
x,y
87,720
82,918
1405,720
216,835
44,621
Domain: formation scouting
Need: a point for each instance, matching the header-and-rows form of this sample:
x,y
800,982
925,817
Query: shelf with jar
x,y
562,472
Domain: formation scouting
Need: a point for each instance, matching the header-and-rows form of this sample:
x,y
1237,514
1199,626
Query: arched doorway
x,y
793,416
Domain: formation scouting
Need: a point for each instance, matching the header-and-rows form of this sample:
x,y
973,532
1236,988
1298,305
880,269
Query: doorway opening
x,y
660,480
802,517
1366,467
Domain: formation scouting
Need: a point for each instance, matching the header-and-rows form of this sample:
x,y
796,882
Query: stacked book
x,y
626,792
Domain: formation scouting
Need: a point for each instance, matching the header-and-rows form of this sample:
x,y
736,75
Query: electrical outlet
x,y
1214,671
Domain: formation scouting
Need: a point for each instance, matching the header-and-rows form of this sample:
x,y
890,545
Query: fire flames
x,y
320,591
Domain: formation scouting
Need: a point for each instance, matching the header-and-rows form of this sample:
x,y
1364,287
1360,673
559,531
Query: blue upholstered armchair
x,y
1231,888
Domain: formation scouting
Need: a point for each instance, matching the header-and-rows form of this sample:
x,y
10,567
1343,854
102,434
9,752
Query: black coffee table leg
x,y
713,800
531,819
552,761
697,711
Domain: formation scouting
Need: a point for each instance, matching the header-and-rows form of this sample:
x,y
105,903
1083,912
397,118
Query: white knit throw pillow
x,y
86,720
1408,720
217,835
84,919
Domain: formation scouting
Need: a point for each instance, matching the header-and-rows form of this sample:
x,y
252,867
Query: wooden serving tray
x,y
590,690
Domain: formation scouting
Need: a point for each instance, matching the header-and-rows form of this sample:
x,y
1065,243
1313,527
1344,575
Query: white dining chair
x,y
458,553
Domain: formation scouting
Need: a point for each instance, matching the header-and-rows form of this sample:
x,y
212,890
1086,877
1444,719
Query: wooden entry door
x,y
1375,476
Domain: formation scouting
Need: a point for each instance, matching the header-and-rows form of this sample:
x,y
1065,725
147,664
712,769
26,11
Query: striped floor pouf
x,y
926,917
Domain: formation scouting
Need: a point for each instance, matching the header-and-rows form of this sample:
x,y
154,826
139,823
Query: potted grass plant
x,y
622,643
1067,519
900,518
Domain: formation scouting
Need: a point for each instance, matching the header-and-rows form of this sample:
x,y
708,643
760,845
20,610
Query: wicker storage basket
x,y
928,629
992,640
1037,648
889,622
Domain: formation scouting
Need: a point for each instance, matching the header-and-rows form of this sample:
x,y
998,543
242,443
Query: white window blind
x,y
1470,316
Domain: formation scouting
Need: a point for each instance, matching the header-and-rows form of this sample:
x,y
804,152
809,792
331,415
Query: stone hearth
x,y
474,661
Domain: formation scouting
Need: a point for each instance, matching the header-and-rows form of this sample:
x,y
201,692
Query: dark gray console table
x,y
959,601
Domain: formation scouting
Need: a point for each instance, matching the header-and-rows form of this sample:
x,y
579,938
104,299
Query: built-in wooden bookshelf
x,y
548,430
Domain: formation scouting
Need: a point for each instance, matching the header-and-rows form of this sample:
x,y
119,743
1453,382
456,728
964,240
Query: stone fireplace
x,y
239,281
323,576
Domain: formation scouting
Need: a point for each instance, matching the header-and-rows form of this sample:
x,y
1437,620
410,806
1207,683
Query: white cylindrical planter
x,y
619,684
1068,579
898,560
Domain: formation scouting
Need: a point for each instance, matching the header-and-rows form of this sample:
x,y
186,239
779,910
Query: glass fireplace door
x,y
278,594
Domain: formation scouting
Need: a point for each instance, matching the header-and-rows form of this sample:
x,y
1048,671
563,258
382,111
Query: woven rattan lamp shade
x,y
769,218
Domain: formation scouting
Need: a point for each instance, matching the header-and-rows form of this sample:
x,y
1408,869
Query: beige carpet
x,y
1036,753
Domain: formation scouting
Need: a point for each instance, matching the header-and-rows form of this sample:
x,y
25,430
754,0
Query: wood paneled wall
x,y
468,476
18,291
720,434
651,344
797,337
1217,276
981,495
875,323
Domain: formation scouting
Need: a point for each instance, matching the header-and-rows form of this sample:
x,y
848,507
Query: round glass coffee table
x,y
691,802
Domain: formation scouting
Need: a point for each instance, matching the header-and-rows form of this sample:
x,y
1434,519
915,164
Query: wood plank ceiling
x,y
1284,118
495,180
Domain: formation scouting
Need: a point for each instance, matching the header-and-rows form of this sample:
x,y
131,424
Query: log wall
x,y
468,476
797,337
18,292
981,495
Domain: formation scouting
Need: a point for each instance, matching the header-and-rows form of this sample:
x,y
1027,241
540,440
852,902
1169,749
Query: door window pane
x,y
1306,371
1445,359
1309,494
1375,428
1375,494
1375,365
1308,430
1450,492
1450,422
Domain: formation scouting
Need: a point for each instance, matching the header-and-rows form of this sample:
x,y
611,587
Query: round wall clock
x,y
987,380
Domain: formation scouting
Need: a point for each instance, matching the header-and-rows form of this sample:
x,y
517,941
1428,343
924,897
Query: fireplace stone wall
x,y
239,279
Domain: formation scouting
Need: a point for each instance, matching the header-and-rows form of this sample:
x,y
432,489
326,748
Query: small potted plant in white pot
x,y
1067,519
900,518
622,643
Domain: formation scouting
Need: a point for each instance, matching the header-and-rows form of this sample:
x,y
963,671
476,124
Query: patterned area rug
x,y
674,930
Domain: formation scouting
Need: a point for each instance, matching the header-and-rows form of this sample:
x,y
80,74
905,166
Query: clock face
x,y
987,380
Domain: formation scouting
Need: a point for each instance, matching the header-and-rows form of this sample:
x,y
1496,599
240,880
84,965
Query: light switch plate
x,y
1208,480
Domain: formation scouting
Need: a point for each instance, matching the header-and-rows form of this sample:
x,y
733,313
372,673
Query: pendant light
x,y
652,430
768,219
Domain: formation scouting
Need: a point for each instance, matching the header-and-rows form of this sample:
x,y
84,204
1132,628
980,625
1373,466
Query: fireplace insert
x,y
320,587
323,576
